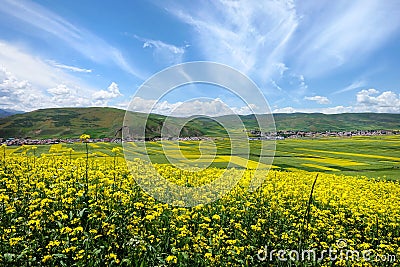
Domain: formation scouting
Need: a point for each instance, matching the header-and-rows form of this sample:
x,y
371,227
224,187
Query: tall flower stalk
x,y
85,139
115,150
3,146
34,148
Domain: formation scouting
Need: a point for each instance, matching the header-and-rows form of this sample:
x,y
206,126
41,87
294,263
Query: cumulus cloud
x,y
9,82
327,110
61,89
66,96
285,110
318,99
370,100
22,95
387,101
208,107
18,94
102,97
29,82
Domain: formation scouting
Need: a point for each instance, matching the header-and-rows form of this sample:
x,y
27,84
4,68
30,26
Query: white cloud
x,y
328,110
352,86
370,100
364,96
66,96
102,97
29,82
387,101
250,37
22,95
25,66
60,90
285,110
163,52
80,39
281,67
318,99
18,94
275,85
265,38
290,85
209,107
71,68
342,33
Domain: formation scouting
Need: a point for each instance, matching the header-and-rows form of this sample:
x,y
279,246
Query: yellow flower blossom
x,y
171,259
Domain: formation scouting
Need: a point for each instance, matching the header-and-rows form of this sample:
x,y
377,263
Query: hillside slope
x,y
337,122
102,122
99,122
62,122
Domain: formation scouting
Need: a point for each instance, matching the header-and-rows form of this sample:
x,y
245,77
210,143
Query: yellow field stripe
x,y
249,164
58,148
9,151
351,154
94,145
335,161
101,154
132,144
319,167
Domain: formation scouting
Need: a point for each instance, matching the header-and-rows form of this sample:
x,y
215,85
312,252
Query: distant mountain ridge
x,y
9,112
102,122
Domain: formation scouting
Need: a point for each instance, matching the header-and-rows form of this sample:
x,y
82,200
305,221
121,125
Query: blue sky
x,y
305,56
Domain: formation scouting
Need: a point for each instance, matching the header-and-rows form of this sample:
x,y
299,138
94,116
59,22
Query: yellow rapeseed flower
x,y
171,259
46,258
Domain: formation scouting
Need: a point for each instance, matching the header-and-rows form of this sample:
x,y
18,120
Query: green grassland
x,y
374,156
98,122
102,122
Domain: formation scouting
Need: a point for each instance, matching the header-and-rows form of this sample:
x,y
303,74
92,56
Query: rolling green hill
x,y
337,122
98,122
62,122
105,122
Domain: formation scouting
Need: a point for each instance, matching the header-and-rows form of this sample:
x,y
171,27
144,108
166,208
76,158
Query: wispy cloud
x,y
25,66
163,52
78,38
70,68
250,37
28,82
264,38
334,33
352,86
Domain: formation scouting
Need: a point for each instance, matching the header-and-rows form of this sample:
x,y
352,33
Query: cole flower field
x,y
57,210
